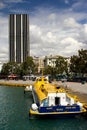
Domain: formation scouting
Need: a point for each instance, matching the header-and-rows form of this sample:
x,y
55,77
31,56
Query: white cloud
x,y
52,16
13,1
60,33
3,39
85,29
2,5
66,1
51,32
80,6
71,45
70,22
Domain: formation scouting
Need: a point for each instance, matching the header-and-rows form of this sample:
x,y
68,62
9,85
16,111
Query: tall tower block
x,y
19,45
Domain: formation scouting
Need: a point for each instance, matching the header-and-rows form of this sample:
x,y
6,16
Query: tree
x,y
5,69
83,61
9,68
24,68
61,65
74,64
28,66
48,70
79,63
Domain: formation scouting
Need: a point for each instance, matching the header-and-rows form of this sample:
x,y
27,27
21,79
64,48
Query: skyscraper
x,y
19,46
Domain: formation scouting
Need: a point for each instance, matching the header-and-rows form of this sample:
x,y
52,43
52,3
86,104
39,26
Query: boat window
x,y
40,80
57,101
45,79
45,102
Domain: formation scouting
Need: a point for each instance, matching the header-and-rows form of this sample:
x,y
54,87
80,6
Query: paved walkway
x,y
74,88
16,82
77,87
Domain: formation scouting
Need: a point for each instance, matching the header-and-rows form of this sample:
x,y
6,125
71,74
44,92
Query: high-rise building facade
x,y
19,46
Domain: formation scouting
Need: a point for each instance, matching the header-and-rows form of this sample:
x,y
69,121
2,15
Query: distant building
x,y
39,61
41,64
19,46
51,60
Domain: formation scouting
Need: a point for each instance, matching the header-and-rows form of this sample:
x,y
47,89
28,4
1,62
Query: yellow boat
x,y
53,101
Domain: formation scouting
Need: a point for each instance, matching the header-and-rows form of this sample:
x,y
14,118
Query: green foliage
x,y
79,63
28,66
61,65
48,70
59,68
8,68
24,68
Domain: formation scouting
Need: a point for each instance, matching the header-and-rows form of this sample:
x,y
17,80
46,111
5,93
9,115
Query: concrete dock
x,y
74,88
17,83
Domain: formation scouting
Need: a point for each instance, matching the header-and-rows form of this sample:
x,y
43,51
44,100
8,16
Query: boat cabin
x,y
57,99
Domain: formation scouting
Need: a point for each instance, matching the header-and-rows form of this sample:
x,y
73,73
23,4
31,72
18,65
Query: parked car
x,y
62,78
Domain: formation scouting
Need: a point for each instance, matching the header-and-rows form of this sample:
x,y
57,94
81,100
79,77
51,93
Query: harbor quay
x,y
74,88
16,83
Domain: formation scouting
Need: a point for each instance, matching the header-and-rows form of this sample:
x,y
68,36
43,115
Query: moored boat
x,y
28,89
53,101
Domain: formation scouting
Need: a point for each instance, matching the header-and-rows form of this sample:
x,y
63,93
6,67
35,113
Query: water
x,y
14,108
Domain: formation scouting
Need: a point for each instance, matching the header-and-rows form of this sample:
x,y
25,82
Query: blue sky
x,y
57,27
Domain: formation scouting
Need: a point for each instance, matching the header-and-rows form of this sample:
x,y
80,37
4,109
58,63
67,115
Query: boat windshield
x,y
40,79
45,79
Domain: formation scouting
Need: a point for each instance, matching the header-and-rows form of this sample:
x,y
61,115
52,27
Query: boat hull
x,y
54,114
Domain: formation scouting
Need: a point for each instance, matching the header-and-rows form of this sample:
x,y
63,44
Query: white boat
x,y
53,101
28,89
